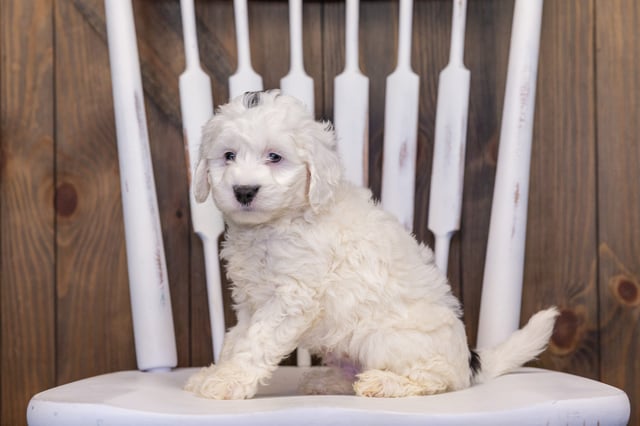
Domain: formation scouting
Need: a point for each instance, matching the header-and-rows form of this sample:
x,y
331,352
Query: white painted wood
x,y
148,282
401,127
297,83
504,264
351,105
245,79
447,176
196,104
527,397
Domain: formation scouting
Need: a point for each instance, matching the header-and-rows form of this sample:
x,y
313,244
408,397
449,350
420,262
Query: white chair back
x,y
503,278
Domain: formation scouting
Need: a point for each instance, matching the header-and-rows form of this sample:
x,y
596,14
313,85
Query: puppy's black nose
x,y
245,193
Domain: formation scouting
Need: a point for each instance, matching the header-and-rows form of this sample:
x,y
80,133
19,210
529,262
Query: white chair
x,y
154,395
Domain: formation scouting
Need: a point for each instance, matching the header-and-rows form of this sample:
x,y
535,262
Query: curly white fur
x,y
316,263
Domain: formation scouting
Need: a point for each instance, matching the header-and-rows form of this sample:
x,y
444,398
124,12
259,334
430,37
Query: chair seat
x,y
529,396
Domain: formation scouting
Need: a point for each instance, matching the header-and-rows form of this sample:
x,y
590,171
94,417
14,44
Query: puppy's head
x,y
263,156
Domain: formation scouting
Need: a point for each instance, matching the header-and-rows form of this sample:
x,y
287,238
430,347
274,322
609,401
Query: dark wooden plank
x,y
333,33
93,297
27,269
486,52
431,41
269,34
561,248
216,38
313,48
618,121
378,45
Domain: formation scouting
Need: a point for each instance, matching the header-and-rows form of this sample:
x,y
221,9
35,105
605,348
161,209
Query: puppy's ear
x,y
201,184
323,164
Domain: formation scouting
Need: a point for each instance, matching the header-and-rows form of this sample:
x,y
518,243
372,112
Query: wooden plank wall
x,y
618,153
27,218
64,303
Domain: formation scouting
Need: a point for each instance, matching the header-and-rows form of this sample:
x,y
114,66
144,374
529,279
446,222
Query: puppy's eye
x,y
229,156
274,158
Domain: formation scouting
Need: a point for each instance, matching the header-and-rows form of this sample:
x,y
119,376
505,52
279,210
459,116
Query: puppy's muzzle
x,y
245,193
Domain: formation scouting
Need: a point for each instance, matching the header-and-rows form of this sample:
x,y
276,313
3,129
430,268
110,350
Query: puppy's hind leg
x,y
418,380
385,384
401,363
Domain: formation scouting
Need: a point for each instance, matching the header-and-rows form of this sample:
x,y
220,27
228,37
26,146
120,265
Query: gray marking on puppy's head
x,y
251,99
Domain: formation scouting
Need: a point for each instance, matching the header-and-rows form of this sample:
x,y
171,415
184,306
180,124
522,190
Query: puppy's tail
x,y
522,346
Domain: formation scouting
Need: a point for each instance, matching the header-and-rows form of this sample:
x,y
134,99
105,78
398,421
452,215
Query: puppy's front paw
x,y
225,381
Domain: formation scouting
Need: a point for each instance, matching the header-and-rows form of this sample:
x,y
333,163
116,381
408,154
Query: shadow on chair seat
x,y
528,396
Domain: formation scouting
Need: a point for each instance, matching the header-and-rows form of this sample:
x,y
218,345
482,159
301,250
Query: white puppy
x,y
316,263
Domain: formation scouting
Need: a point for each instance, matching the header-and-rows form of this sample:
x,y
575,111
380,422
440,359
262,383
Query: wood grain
x,y
333,53
486,53
313,48
561,248
432,35
27,262
93,309
618,121
378,45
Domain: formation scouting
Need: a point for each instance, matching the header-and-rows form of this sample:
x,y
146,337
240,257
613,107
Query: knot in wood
x,y
626,290
66,199
566,332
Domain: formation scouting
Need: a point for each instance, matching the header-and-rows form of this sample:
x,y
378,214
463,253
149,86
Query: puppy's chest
x,y
249,260
263,264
